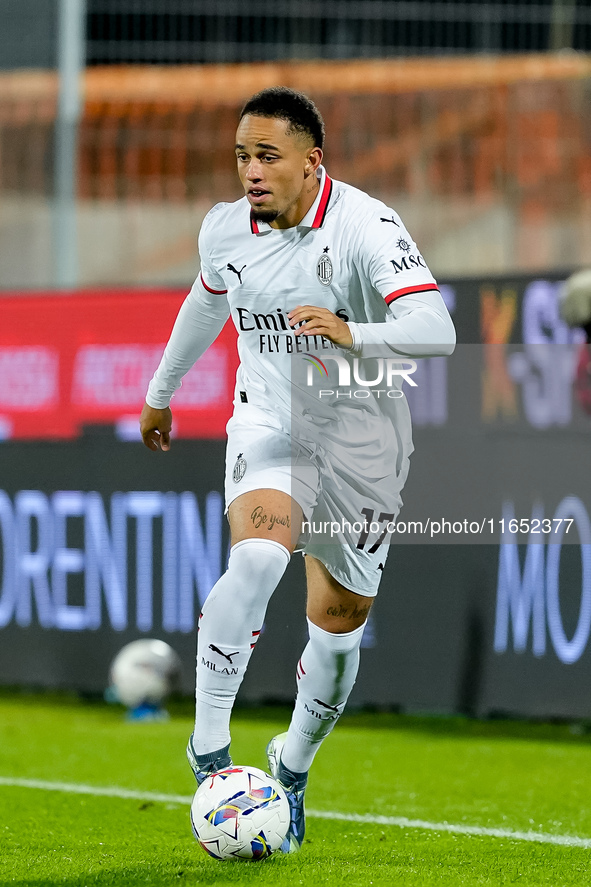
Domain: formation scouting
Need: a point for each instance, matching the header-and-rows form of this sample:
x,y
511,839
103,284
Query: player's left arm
x,y
418,323
419,326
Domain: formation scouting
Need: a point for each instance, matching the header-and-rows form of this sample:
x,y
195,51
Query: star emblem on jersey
x,y
324,268
403,244
239,469
236,271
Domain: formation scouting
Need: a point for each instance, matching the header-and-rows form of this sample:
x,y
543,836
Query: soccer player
x,y
307,267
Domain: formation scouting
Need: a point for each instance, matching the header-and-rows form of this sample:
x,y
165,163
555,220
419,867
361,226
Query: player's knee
x,y
255,568
256,557
335,642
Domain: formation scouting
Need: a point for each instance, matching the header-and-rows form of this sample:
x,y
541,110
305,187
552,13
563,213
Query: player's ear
x,y
313,160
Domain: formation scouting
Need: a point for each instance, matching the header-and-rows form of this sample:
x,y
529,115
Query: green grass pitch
x,y
442,787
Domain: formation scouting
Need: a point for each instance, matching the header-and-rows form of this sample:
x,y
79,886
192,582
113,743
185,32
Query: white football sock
x,y
326,674
229,627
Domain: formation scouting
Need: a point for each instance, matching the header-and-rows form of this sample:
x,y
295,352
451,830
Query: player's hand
x,y
155,426
320,322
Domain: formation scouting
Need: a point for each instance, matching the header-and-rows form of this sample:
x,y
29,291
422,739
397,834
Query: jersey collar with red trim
x,y
315,216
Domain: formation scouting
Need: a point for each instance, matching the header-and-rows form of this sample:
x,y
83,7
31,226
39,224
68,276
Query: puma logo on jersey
x,y
227,656
394,222
236,272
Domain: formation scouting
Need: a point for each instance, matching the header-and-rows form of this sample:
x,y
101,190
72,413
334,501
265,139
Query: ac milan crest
x,y
324,269
239,469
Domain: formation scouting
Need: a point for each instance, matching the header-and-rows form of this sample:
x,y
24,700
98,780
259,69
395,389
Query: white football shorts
x,y
346,481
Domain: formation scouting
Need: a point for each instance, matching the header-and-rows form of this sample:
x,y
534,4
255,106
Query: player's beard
x,y
263,215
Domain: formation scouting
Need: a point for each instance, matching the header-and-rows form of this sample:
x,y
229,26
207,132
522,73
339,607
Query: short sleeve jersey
x,y
351,254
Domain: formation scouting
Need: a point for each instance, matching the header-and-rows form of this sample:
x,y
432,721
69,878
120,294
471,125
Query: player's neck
x,y
297,211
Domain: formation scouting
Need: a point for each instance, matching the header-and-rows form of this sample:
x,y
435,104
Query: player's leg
x,y
265,514
331,606
261,525
326,674
328,666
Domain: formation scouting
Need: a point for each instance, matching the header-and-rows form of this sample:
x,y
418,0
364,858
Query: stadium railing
x,y
456,136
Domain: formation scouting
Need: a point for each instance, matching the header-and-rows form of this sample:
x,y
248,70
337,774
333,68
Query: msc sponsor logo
x,y
408,262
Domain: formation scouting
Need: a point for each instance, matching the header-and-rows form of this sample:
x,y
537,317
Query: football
x,y
144,672
240,813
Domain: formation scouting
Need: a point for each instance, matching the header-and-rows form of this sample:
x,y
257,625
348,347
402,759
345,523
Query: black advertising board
x,y
103,542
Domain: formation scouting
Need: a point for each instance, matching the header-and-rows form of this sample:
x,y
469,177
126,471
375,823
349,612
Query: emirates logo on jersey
x,y
324,268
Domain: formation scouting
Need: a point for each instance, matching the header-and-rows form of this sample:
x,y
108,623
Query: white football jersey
x,y
350,253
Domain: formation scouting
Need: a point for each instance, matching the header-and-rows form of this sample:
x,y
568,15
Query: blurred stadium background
x,y
473,119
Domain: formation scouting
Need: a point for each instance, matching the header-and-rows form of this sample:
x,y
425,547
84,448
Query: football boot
x,y
294,785
204,765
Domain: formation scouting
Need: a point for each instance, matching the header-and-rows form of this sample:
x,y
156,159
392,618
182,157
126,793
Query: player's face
x,y
277,169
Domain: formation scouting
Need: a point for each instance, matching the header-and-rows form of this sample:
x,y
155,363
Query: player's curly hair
x,y
286,104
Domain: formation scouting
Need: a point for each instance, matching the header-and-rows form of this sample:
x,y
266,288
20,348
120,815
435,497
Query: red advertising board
x,y
68,360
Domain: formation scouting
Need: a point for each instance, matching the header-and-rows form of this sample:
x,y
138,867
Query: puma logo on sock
x,y
329,707
227,656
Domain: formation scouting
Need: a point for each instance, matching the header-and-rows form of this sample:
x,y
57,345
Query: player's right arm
x,y
155,427
198,324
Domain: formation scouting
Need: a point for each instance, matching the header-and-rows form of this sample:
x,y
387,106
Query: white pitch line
x,y
76,788
367,818
456,829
